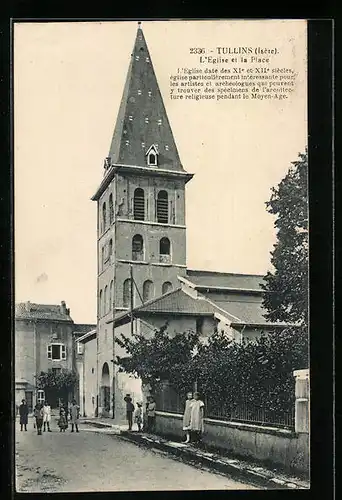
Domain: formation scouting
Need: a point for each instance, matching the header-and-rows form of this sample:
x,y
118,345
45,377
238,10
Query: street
x,y
95,460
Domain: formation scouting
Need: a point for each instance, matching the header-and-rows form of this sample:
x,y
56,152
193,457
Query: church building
x,y
141,238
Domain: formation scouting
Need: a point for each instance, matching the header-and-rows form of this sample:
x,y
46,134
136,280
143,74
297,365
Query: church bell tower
x,y
140,201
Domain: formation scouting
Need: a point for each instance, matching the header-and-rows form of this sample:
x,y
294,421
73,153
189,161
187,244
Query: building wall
x,y
90,378
25,351
31,357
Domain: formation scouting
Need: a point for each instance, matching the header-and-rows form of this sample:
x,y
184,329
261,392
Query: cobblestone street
x,y
95,460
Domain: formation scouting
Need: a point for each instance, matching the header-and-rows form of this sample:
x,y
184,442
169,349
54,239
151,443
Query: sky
x,y
68,82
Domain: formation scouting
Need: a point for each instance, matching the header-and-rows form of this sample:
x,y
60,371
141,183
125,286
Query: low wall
x,y
283,448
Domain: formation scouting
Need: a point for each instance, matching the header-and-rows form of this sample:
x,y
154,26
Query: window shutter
x,y
49,351
63,352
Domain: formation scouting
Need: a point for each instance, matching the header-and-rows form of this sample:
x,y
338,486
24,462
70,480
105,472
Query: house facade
x,y
44,342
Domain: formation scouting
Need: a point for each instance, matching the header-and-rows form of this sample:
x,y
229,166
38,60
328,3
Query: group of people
x,y
42,416
192,418
135,414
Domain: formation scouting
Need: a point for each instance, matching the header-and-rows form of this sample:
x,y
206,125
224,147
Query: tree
x,y
286,288
159,357
63,380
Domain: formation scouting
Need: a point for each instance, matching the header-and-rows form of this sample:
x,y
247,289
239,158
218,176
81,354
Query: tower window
x,y
147,290
164,250
167,148
105,301
159,122
162,207
167,287
142,144
147,59
110,248
111,209
111,295
102,257
130,118
139,204
137,247
100,304
137,58
146,119
149,93
104,216
139,92
127,143
126,292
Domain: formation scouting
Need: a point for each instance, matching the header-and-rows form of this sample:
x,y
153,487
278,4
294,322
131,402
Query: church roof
x,y
178,302
217,280
29,310
142,119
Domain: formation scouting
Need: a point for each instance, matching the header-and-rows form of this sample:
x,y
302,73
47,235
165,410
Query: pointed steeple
x,y
142,121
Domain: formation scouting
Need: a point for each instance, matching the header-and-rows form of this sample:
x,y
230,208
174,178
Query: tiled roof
x,y
174,302
178,302
29,310
228,280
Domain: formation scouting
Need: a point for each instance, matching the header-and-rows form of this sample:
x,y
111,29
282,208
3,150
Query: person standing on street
x,y
151,414
138,416
196,417
187,416
129,410
62,422
46,416
38,415
23,414
74,415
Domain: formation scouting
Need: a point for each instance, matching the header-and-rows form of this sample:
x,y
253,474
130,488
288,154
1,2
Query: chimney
x,y
63,307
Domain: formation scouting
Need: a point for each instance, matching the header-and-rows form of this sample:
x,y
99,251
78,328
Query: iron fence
x,y
168,400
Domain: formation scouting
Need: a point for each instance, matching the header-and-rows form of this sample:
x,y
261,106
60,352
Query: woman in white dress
x,y
187,416
196,417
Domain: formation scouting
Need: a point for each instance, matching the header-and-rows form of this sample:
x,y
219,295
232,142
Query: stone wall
x,y
284,449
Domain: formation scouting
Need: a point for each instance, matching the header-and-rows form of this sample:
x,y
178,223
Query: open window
x,y
164,250
56,352
137,247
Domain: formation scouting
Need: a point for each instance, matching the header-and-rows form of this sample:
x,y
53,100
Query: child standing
x,y
138,416
151,414
62,422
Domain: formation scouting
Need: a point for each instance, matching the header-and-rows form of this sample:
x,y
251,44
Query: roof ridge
x,y
223,273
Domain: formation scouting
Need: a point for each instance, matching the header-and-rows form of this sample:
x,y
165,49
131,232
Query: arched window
x,y
162,207
100,304
127,293
167,287
152,159
111,296
139,204
105,301
111,209
137,247
102,257
110,249
164,250
104,216
148,290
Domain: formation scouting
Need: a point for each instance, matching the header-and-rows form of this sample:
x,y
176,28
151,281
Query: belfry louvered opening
x,y
162,207
139,204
